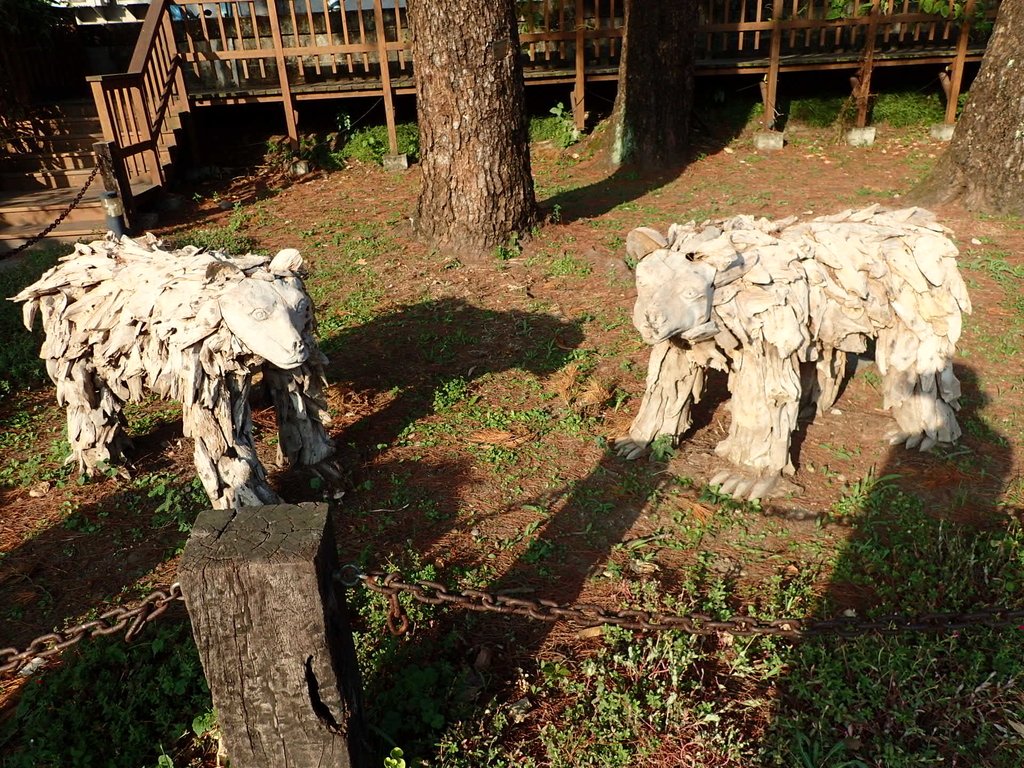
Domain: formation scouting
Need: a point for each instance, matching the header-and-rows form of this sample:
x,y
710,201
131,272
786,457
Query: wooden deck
x,y
194,54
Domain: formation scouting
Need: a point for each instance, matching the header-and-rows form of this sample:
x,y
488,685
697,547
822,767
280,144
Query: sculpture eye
x,y
259,314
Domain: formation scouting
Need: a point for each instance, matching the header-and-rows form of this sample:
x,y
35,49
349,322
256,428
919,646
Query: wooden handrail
x,y
134,106
147,36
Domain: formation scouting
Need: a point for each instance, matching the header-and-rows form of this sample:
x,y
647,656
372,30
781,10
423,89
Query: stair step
x,y
39,161
41,207
67,232
47,125
29,181
67,108
80,142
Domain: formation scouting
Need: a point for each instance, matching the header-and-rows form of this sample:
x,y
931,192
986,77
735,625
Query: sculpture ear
x,y
287,262
221,272
730,270
644,240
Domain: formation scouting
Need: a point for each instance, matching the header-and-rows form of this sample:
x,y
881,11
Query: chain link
x,y
130,621
433,593
67,212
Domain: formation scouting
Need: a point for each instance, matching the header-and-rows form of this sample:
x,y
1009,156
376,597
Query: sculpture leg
x,y
765,400
674,382
220,425
302,414
924,416
831,370
95,420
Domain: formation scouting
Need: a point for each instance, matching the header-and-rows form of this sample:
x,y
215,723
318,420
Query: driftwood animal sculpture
x,y
778,305
122,317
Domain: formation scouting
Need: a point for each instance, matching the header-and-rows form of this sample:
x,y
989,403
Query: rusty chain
x,y
433,593
67,212
131,621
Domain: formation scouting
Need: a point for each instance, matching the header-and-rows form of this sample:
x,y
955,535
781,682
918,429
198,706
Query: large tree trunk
x,y
983,168
651,117
474,140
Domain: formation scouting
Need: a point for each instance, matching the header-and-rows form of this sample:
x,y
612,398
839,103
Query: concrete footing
x,y
395,162
861,137
769,141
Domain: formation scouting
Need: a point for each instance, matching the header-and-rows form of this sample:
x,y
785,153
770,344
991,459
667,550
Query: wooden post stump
x,y
270,625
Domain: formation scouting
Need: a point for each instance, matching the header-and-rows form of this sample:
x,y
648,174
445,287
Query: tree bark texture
x,y
983,168
269,623
651,116
477,187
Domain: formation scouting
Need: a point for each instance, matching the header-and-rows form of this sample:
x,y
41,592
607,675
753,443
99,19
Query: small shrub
x,y
559,129
370,145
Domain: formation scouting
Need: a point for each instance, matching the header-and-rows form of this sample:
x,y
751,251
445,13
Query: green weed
x,y
559,128
109,703
20,365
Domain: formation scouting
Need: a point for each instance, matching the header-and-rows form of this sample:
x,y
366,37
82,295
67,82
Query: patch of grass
x,y
568,265
558,128
819,111
231,238
20,365
370,145
38,466
109,703
908,108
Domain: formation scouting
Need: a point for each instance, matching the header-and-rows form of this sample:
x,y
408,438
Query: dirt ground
x,y
410,321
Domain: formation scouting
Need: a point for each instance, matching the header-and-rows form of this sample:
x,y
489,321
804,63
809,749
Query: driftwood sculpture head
x,y
675,289
269,313
778,305
124,316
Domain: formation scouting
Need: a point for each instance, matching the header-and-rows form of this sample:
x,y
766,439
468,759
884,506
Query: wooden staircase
x,y
49,166
43,172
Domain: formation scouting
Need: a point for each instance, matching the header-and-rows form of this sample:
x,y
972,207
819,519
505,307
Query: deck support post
x,y
290,116
115,176
579,114
769,90
270,624
862,81
385,76
956,82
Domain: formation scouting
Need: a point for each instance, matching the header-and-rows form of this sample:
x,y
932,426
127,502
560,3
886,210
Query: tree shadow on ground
x,y
391,370
120,529
714,125
929,533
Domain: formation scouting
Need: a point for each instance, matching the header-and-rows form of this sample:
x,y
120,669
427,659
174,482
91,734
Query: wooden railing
x,y
139,110
289,51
